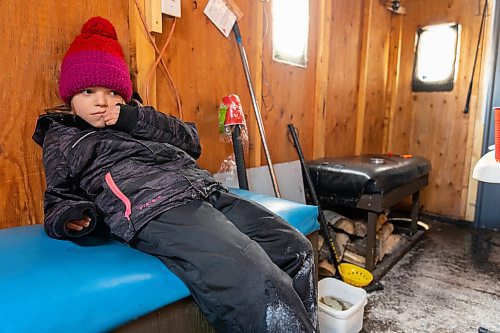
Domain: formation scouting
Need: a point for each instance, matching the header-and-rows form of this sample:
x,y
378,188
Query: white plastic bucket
x,y
347,321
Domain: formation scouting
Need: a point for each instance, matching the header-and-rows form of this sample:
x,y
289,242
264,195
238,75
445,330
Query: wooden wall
x,y
344,72
353,97
34,37
206,66
433,124
358,50
365,55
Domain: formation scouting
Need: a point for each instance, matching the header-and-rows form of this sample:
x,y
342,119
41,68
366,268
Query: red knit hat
x,y
95,59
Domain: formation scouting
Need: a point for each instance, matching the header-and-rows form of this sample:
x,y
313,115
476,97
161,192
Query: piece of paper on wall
x,y
171,7
221,15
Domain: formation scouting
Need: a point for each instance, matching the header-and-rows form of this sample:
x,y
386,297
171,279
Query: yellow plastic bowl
x,y
355,275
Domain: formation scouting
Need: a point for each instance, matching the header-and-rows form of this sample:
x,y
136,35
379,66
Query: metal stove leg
x,y
370,241
415,203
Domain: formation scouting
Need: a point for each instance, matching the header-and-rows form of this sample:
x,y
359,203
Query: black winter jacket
x,y
127,173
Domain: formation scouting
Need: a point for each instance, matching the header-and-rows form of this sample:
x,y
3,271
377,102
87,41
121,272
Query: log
x,y
325,268
357,246
321,241
342,240
346,226
323,252
391,243
388,245
332,217
381,220
339,221
360,228
354,258
385,231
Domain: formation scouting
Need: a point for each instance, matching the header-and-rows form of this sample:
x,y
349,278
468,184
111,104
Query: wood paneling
x,y
142,52
341,105
433,124
205,67
479,98
322,82
394,68
376,80
359,53
293,90
34,37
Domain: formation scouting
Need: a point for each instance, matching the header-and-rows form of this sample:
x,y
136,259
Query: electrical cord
x,y
158,59
160,54
269,92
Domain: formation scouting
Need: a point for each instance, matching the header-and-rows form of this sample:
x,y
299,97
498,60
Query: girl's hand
x,y
111,115
78,225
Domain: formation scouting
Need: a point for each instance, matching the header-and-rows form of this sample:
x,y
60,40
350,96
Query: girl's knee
x,y
305,244
262,267
301,245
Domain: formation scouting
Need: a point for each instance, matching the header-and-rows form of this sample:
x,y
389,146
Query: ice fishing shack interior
x,y
369,125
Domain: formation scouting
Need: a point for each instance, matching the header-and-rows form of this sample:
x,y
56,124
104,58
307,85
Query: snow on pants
x,y
247,269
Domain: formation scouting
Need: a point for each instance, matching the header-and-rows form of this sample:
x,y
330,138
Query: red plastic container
x,y
234,115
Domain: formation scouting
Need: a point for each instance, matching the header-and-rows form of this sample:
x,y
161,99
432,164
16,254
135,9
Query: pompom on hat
x,y
95,59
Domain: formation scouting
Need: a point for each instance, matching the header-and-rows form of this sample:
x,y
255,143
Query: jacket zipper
x,y
126,201
81,138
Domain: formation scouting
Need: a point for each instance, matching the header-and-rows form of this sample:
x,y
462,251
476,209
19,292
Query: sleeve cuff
x,y
76,213
127,120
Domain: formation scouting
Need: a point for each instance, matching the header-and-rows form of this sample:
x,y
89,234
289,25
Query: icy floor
x,y
448,283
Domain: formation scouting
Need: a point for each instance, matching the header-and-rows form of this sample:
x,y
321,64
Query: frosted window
x,y
290,31
436,58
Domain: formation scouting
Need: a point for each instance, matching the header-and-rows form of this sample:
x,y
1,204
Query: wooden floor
x,y
448,283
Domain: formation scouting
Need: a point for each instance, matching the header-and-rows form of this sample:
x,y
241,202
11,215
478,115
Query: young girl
x,y
134,169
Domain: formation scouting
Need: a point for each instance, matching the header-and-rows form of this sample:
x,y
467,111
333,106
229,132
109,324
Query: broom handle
x,y
258,117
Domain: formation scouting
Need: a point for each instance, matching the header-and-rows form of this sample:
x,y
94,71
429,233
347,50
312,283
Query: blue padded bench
x,y
95,284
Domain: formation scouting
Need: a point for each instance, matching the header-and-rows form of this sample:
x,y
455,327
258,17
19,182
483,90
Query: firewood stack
x,y
350,237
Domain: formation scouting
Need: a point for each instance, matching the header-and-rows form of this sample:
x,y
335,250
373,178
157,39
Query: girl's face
x,y
90,104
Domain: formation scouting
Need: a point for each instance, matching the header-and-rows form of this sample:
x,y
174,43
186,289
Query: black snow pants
x,y
247,269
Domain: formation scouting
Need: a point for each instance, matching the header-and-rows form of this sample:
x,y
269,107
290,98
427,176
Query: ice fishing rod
x,y
332,247
258,117
469,92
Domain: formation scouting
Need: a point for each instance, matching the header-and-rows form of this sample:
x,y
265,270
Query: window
x,y
436,58
290,31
